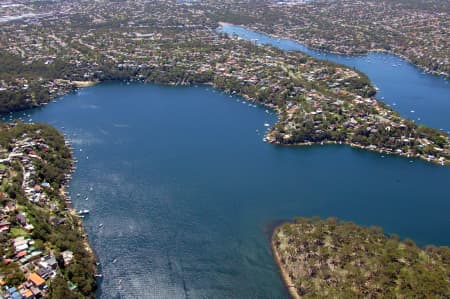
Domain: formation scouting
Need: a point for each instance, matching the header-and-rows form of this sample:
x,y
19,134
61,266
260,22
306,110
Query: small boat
x,y
266,125
114,261
99,275
83,212
100,225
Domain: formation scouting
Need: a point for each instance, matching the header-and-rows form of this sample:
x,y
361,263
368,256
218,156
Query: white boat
x,y
83,212
266,125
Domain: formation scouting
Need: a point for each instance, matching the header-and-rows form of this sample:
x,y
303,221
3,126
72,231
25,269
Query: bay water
x,y
184,194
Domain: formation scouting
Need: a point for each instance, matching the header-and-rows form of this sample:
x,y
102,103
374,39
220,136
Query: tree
x,y
58,289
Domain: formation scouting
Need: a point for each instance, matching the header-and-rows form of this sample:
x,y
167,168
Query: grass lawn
x,y
18,232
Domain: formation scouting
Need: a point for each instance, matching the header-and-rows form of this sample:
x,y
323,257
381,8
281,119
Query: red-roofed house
x,y
36,280
21,254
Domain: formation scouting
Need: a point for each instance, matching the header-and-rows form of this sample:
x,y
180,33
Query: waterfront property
x,y
38,230
317,101
183,192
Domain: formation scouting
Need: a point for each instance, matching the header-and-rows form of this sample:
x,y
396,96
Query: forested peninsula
x,y
337,259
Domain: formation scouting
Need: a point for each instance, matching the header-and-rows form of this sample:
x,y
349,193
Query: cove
x,y
187,192
422,97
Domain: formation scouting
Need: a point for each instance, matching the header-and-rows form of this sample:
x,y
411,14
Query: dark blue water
x,y
187,192
421,97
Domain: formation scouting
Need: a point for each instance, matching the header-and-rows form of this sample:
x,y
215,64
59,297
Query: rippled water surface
x,y
183,192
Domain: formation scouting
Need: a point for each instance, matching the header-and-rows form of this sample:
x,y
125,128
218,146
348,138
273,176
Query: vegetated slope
x,y
335,259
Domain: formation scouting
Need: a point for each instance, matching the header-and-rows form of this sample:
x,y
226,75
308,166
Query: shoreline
x,y
362,147
81,84
277,111
284,275
77,219
69,205
365,53
50,217
269,139
318,273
